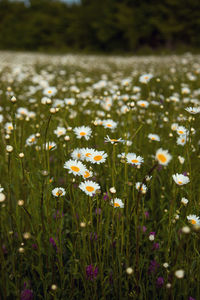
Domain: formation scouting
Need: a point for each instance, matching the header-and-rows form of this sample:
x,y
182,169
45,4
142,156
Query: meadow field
x,y
100,177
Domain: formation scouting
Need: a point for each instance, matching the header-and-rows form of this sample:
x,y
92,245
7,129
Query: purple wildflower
x,y
159,281
153,266
156,246
51,240
91,272
98,211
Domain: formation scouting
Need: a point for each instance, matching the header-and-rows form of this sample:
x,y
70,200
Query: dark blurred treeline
x,y
99,25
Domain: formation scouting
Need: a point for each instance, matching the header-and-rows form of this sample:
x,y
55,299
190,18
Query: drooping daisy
x,y
154,137
143,103
145,78
50,146
113,141
58,192
76,154
59,131
69,101
83,131
180,179
31,140
109,124
181,130
163,157
50,91
75,167
89,187
142,187
181,159
193,110
133,159
87,153
193,219
117,203
98,157
87,174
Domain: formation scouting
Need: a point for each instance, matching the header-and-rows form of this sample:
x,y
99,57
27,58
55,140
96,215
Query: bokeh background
x,y
100,26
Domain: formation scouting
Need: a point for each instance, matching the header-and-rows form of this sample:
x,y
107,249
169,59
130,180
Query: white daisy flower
x,y
75,167
77,154
145,78
31,140
181,130
163,157
193,219
180,179
87,153
98,157
142,188
193,110
8,127
50,91
83,131
59,131
109,124
143,103
117,203
181,140
184,201
58,192
69,101
181,159
89,187
174,126
154,137
133,159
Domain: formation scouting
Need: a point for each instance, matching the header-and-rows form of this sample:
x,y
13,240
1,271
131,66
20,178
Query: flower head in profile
x,y
31,140
141,187
113,141
58,192
193,219
182,131
87,174
86,153
163,157
75,167
193,110
117,203
76,154
89,187
50,146
154,137
181,140
83,131
180,179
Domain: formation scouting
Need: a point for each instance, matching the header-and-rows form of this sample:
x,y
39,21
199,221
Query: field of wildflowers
x,y
99,186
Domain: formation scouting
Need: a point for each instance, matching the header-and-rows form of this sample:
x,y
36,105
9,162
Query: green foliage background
x,y
100,25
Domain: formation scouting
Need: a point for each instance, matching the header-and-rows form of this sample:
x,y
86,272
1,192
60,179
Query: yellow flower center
x,y
88,154
50,147
143,104
116,204
134,161
87,174
193,222
33,139
153,138
180,182
79,155
181,131
113,140
82,133
75,169
89,188
109,125
98,157
182,140
162,158
49,92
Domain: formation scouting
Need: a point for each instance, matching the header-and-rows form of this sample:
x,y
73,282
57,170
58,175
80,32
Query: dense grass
x,y
78,246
